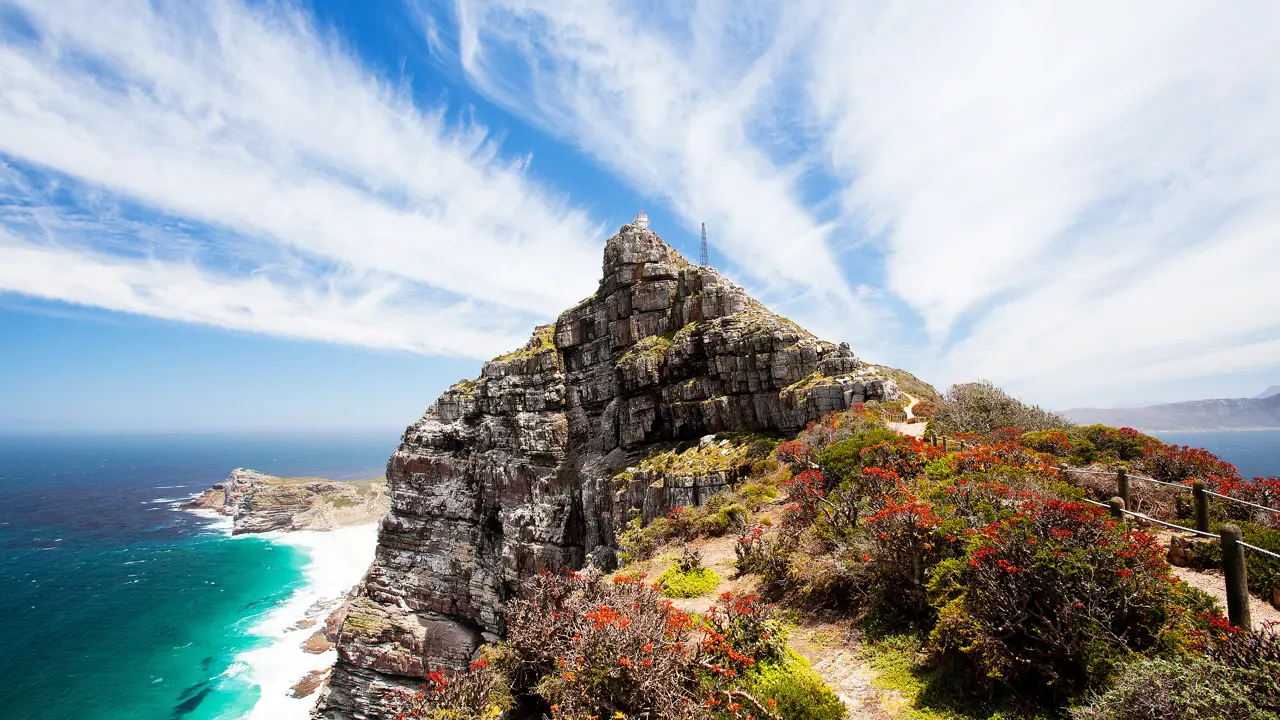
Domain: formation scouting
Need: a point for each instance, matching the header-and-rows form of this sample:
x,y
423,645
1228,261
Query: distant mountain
x,y
1269,392
1223,414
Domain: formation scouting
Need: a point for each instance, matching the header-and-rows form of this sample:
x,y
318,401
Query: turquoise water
x,y
116,604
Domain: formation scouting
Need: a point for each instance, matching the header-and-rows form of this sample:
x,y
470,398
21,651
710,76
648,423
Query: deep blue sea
x,y
115,604
1255,453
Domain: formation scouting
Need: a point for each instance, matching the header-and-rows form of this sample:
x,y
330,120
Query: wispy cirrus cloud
x,y
1077,200
685,103
251,122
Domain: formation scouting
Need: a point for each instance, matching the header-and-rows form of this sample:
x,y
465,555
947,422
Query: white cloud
x,y
1078,200
349,311
1083,197
249,121
680,103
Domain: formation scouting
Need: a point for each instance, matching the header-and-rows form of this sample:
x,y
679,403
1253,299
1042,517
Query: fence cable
x,y
1170,525
1179,486
1243,502
1255,548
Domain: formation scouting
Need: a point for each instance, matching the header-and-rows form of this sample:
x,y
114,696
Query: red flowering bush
x,y
479,693
768,556
805,495
904,546
1176,463
924,409
985,458
1050,597
904,456
796,454
595,648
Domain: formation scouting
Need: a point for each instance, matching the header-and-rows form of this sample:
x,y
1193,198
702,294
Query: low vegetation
x,y
980,582
981,407
544,338
579,648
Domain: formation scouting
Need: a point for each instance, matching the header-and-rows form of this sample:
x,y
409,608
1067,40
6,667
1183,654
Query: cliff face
x,y
259,502
514,472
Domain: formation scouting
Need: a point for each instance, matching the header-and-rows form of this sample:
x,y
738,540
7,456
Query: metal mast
x,y
703,259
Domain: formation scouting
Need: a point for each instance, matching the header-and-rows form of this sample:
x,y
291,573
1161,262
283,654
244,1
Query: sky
x,y
254,214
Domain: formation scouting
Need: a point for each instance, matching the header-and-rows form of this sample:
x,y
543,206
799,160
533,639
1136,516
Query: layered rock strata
x,y
512,473
259,502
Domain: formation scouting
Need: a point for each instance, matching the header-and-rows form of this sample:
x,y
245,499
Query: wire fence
x,y
1180,486
1236,583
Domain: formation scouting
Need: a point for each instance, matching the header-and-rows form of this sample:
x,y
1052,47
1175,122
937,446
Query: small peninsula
x,y
258,502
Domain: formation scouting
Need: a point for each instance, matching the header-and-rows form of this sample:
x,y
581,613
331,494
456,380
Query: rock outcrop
x,y
259,502
514,472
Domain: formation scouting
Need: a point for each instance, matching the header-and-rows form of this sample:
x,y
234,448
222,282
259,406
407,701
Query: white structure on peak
x,y
641,221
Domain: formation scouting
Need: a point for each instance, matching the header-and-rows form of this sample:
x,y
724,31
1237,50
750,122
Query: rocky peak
x,y
519,470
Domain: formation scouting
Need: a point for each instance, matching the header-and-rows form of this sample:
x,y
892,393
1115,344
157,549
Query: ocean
x,y
1255,453
118,605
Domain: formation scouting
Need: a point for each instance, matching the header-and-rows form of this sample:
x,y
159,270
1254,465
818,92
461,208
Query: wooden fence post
x,y
1122,485
946,445
1202,506
1233,568
1117,508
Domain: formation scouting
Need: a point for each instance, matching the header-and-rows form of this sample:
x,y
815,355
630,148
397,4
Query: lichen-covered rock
x,y
513,473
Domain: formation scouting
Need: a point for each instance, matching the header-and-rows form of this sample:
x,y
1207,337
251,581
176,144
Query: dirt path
x,y
1212,582
832,653
909,428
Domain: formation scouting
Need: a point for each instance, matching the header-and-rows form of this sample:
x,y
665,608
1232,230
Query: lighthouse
x,y
641,221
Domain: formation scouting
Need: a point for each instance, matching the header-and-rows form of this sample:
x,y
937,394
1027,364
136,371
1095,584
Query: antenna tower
x,y
703,259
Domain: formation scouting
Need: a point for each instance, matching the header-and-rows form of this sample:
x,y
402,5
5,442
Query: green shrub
x,y
1185,687
841,459
638,542
980,407
728,517
1123,444
1263,571
1073,446
756,495
679,583
797,690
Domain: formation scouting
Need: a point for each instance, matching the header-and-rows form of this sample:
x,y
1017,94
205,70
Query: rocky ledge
x,y
260,503
525,468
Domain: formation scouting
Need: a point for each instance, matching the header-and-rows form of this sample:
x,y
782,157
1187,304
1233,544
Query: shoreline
x,y
335,562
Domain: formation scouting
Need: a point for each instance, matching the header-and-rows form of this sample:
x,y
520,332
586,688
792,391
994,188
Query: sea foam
x,y
337,559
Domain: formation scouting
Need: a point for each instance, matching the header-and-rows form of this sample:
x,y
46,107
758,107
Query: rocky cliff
x,y
523,469
259,502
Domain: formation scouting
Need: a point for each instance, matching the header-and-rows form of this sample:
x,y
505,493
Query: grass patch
x,y
932,692
677,583
798,691
544,338
344,503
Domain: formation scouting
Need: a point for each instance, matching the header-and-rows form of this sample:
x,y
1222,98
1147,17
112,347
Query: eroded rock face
x,y
512,473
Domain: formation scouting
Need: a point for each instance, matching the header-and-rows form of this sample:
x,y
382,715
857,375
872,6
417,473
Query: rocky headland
x,y
258,502
539,462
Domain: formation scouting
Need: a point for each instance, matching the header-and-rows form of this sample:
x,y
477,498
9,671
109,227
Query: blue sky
x,y
230,214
